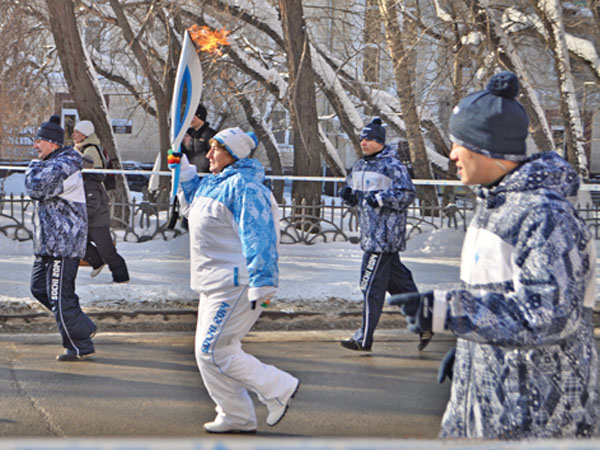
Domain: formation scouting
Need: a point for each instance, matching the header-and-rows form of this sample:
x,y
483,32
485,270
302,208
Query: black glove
x,y
425,339
417,308
348,195
372,200
447,366
263,304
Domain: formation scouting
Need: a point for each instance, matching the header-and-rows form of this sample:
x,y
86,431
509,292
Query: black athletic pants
x,y
380,273
100,250
53,285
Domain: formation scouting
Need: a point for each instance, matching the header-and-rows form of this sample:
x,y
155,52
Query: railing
x,y
591,215
299,223
16,217
147,221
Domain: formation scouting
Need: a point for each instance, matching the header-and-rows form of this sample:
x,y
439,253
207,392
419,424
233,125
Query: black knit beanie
x,y
201,112
492,122
51,131
374,131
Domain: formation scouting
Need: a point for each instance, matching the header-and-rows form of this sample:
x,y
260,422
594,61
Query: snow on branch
x,y
514,21
331,151
270,77
330,80
443,15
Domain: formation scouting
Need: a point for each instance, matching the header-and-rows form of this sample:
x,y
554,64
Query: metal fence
x,y
299,223
330,220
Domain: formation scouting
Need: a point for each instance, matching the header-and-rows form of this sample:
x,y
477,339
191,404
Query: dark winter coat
x,y
98,202
382,229
199,146
526,363
60,217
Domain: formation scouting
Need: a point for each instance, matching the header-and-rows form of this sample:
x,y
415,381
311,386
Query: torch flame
x,y
207,40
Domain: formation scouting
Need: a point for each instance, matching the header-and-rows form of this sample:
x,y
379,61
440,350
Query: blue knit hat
x,y
491,122
374,131
51,131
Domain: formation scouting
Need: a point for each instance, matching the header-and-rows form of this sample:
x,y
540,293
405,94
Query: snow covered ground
x,y
159,271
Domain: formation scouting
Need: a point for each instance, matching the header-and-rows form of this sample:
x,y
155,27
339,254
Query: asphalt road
x,y
147,385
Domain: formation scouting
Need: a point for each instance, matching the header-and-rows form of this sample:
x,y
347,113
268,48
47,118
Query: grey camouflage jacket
x,y
383,228
526,363
60,217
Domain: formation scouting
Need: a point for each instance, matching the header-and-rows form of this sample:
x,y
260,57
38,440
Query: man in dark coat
x,y
195,146
381,189
195,142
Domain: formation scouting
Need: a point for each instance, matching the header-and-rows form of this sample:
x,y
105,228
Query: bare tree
x,y
473,39
268,140
302,104
24,91
501,45
83,85
403,63
550,11
160,97
594,6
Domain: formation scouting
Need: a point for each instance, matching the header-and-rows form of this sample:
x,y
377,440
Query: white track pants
x,y
224,318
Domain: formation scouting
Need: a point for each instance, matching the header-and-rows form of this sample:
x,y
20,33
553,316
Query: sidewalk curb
x,y
158,320
185,320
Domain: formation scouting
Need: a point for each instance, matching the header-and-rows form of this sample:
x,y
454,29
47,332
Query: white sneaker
x,y
95,272
277,413
220,426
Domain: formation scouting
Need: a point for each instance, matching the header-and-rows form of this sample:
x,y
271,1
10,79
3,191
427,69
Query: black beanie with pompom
x,y
374,131
51,131
492,122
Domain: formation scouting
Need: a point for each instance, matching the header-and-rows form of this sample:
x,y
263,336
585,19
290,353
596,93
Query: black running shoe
x,y
71,356
352,344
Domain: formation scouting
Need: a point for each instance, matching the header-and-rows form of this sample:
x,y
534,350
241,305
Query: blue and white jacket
x,y
526,363
60,217
234,229
382,229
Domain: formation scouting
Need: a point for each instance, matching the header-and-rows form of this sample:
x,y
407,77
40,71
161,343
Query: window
x,y
121,126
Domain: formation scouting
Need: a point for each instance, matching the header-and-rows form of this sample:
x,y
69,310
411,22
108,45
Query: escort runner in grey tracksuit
x,y
60,233
381,188
525,364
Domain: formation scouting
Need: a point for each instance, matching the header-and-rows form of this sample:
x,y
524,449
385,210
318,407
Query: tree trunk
x,y
550,12
373,38
594,6
83,86
303,106
403,72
